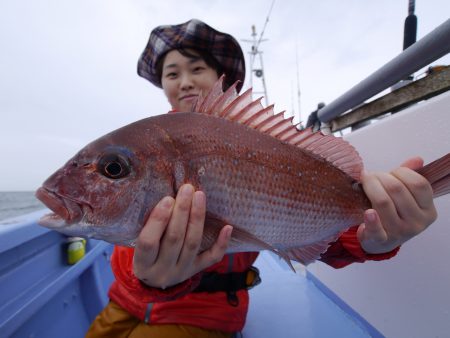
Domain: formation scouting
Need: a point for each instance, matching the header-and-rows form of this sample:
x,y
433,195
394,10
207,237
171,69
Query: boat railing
x,y
420,54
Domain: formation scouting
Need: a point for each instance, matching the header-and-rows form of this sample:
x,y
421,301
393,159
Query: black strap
x,y
232,281
229,283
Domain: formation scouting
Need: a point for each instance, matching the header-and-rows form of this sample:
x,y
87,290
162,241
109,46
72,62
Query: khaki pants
x,y
115,322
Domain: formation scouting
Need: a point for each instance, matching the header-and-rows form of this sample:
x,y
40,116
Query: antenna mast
x,y
256,54
257,69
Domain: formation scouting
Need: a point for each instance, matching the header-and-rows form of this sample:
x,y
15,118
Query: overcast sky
x,y
68,68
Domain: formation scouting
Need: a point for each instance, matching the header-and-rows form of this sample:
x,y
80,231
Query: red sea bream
x,y
282,189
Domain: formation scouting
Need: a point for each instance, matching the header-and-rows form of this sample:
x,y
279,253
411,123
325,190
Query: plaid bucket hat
x,y
197,35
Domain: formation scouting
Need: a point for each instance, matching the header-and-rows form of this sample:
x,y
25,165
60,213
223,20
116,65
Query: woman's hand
x,y
402,202
166,251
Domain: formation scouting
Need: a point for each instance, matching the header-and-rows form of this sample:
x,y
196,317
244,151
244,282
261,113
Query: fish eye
x,y
113,166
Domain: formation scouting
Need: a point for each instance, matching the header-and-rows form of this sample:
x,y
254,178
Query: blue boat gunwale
x,y
25,242
18,230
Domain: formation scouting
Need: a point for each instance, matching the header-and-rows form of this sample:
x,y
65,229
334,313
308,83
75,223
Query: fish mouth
x,y
66,210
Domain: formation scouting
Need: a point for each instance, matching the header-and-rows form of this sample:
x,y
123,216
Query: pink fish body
x,y
282,189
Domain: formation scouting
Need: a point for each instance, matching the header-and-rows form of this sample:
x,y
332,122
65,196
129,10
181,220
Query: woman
x,y
163,280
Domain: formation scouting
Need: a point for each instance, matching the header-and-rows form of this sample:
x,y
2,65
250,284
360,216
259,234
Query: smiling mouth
x,y
188,97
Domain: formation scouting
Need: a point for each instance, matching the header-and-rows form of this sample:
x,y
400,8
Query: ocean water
x,y
16,203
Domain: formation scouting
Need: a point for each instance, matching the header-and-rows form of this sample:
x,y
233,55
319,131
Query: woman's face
x,y
183,78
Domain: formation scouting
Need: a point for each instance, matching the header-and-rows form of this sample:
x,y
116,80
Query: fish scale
x,y
268,199
285,190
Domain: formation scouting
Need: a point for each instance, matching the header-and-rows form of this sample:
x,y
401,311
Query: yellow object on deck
x,y
76,249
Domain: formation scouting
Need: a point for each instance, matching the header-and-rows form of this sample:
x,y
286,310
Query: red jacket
x,y
177,305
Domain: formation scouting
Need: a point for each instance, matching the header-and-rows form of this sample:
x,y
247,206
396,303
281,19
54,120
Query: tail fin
x,y
438,174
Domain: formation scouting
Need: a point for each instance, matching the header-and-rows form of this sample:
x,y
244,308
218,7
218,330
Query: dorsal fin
x,y
242,109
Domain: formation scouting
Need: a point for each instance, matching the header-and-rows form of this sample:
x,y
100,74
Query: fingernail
x,y
370,216
230,230
199,198
186,190
166,202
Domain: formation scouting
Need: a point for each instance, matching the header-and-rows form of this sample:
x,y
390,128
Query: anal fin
x,y
309,253
241,238
246,237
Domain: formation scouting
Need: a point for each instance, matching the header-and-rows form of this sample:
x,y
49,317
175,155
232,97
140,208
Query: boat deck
x,y
288,304
42,296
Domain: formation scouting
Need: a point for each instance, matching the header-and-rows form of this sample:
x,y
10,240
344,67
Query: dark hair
x,y
195,53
